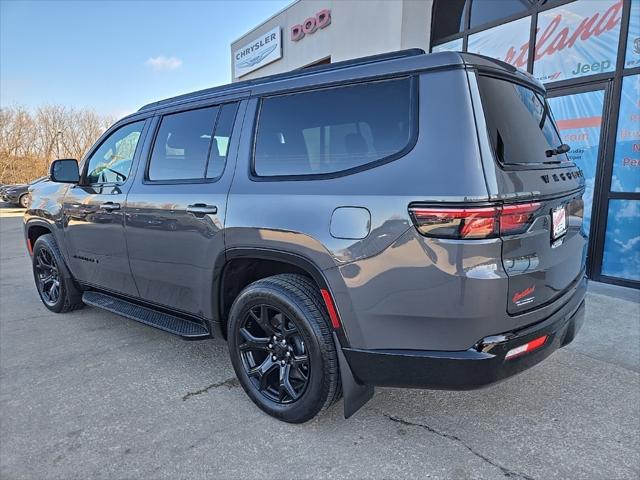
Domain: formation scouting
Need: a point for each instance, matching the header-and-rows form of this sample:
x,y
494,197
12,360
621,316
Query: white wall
x,y
358,28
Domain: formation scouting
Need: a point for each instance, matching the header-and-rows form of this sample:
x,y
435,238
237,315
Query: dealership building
x,y
586,52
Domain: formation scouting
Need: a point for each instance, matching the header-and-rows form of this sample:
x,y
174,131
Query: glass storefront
x,y
577,40
587,53
579,118
626,160
508,42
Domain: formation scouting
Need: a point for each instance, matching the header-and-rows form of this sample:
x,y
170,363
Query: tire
x,y
23,201
56,287
290,303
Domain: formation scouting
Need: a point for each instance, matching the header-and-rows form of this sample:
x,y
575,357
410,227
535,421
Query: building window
x,y
621,256
333,130
626,161
448,18
632,58
452,46
579,119
577,39
486,11
508,42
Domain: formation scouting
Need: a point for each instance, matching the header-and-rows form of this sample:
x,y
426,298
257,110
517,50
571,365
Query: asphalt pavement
x,y
89,394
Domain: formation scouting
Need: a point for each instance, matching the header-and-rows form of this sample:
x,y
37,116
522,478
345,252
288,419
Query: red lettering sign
x,y
321,19
552,40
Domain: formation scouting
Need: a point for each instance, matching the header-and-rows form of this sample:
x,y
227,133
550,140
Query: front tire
x,y
54,282
23,201
282,349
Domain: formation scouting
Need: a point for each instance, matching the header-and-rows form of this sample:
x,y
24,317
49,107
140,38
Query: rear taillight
x,y
516,218
470,223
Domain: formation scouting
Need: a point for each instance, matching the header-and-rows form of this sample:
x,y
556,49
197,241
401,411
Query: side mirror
x,y
64,170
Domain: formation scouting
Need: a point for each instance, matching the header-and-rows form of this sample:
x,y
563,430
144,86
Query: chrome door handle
x,y
200,209
110,206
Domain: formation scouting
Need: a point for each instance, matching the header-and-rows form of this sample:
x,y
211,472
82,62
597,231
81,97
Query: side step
x,y
164,321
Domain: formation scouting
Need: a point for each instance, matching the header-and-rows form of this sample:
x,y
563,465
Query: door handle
x,y
201,209
110,206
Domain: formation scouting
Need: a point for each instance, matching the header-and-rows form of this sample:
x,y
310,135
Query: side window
x,y
182,145
333,130
192,145
112,161
221,138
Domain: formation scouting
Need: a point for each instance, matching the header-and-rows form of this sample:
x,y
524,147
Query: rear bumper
x,y
477,367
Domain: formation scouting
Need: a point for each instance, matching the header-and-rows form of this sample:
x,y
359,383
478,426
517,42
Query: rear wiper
x,y
564,148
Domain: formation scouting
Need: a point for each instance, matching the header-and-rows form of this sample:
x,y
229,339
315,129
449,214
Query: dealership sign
x,y
260,52
573,40
320,20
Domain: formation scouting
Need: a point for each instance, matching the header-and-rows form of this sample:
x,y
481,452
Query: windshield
x,y
519,123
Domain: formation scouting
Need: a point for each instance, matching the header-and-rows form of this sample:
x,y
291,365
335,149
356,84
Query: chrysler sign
x,y
263,50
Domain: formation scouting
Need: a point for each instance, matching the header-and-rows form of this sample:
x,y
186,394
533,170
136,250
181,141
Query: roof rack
x,y
300,72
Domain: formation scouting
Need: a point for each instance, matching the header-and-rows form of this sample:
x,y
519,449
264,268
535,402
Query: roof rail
x,y
300,72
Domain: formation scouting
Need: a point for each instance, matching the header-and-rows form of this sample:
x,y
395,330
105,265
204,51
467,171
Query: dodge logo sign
x,y
322,19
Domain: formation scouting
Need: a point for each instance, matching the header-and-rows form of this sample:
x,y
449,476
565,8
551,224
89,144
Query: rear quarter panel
x,y
295,215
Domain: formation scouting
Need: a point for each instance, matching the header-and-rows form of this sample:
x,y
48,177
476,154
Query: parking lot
x,y
92,395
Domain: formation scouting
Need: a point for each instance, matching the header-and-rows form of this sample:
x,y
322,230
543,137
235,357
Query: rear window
x,y
333,130
519,122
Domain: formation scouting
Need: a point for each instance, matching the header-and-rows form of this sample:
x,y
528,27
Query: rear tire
x,y
282,348
56,287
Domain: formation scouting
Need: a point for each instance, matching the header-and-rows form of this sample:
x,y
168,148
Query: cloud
x,y
161,62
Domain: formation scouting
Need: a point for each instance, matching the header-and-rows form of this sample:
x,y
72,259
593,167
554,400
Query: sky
x,y
115,56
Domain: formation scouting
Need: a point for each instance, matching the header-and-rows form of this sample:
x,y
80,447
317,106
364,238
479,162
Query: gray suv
x,y
402,220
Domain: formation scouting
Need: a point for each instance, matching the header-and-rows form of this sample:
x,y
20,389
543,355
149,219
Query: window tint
x,y
182,145
484,11
111,162
519,121
448,18
333,130
221,138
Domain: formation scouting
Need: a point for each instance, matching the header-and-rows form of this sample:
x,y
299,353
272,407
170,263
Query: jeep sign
x,y
263,50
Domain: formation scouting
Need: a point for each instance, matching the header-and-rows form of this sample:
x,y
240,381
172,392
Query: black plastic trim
x,y
464,370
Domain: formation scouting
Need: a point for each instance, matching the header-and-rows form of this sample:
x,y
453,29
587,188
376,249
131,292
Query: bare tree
x,y
29,141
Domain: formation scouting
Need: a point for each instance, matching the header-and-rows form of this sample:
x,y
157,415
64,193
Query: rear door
x,y
544,243
176,209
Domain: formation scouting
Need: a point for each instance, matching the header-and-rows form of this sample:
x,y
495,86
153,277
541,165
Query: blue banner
x,y
579,119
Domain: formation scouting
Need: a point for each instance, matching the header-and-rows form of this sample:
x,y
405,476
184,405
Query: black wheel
x,y
23,201
56,287
282,349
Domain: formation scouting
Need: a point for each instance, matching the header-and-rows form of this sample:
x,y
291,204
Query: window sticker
x,y
626,160
579,119
577,39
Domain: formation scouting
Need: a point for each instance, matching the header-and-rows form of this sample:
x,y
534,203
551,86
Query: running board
x,y
164,321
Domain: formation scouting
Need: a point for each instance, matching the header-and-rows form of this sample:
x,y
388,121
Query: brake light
x,y
526,348
472,223
516,218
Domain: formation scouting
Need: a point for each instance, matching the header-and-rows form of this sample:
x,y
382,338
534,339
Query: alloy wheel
x,y
273,354
48,277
